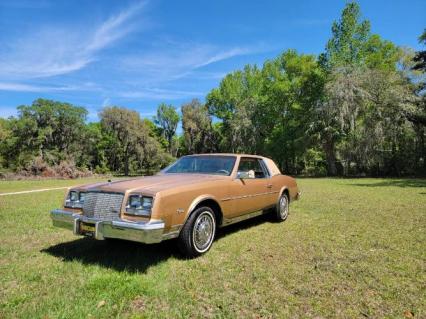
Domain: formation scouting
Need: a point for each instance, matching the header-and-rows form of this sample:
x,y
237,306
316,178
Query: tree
x,y
293,86
196,125
268,110
4,135
237,94
420,58
167,118
347,45
130,142
48,129
338,112
417,113
123,126
95,144
350,57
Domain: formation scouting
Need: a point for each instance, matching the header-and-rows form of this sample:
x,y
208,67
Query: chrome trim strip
x,y
173,232
97,190
246,196
171,235
237,219
139,225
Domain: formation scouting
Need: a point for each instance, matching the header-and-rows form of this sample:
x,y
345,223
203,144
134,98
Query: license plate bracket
x,y
87,229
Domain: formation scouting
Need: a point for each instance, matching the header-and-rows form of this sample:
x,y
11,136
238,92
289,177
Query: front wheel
x,y
282,209
197,235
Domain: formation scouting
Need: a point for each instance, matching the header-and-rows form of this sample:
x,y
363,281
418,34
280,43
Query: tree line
x,y
359,108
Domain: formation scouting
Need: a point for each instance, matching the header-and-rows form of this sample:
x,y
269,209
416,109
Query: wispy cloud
x,y
106,102
55,51
224,55
20,87
113,29
25,87
179,60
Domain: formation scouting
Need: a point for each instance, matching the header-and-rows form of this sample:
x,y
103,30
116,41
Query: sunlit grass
x,y
350,248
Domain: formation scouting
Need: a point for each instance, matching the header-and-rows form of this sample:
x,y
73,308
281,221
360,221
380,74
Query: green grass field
x,y
350,248
17,186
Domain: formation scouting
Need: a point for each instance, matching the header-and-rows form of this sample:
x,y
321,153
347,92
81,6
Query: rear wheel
x,y
197,235
282,209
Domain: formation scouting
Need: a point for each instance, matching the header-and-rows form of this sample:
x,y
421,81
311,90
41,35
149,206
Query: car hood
x,y
152,184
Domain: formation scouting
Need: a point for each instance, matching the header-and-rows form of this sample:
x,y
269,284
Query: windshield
x,y
217,165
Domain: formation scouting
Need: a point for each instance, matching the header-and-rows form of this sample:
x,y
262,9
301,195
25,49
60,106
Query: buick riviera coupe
x,y
188,200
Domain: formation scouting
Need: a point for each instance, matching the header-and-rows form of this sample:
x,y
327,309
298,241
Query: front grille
x,y
102,205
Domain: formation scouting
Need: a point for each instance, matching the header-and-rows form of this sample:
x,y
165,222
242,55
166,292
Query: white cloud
x,y
178,60
55,51
113,29
223,55
106,102
24,87
20,87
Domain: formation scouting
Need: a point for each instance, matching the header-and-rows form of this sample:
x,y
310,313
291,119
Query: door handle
x,y
269,185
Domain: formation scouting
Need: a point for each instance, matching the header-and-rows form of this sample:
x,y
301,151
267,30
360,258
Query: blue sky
x,y
138,54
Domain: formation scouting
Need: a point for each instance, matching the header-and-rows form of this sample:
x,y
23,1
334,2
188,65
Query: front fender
x,y
199,199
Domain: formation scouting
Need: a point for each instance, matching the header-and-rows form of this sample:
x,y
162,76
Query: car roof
x,y
273,168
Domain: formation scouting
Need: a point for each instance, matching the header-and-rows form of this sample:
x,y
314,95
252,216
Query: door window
x,y
251,168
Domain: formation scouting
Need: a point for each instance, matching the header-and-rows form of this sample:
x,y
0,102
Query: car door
x,y
249,190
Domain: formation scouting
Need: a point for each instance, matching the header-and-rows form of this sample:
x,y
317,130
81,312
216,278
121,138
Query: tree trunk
x,y
330,157
126,163
126,166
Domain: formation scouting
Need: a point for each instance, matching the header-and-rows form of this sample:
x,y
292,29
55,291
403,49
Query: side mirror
x,y
242,175
245,175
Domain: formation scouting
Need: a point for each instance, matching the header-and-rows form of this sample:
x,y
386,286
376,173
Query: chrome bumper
x,y
143,232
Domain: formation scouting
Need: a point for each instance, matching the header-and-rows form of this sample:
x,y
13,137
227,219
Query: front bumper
x,y
143,232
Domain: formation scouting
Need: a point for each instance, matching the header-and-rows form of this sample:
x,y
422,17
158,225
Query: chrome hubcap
x,y
283,207
203,231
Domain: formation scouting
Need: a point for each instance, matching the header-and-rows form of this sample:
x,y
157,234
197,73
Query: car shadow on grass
x,y
120,255
130,256
241,226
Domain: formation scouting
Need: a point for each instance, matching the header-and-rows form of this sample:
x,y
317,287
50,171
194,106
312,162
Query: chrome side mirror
x,y
245,175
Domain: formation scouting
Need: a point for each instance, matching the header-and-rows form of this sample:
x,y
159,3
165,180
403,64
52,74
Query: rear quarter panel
x,y
284,182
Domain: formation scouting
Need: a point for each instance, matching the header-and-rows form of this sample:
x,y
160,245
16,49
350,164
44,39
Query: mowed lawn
x,y
351,248
18,186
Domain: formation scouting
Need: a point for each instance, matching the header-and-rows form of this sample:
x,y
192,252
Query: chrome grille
x,y
102,205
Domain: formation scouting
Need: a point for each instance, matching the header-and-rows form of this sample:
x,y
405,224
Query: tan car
x,y
188,200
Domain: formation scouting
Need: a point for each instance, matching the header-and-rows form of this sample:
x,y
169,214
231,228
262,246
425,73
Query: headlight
x,y
75,199
139,205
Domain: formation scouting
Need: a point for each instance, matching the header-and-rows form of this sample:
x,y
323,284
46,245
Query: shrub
x,y
65,169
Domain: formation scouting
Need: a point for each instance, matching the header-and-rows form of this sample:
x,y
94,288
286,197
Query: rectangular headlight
x,y
74,199
139,205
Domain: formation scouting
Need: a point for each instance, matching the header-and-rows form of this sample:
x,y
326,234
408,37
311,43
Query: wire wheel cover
x,y
203,231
